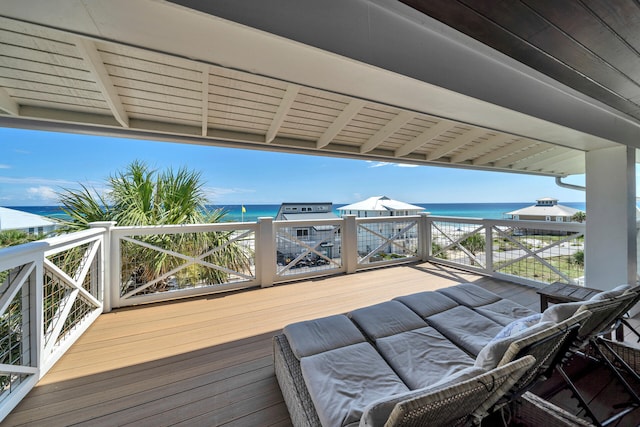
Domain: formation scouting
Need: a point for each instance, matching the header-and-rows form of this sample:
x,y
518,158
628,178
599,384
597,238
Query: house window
x,y
547,218
302,232
559,219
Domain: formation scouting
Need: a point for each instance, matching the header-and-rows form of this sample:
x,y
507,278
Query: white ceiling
x,y
149,69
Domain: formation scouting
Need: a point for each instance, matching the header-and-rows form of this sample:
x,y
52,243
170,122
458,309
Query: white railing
x,y
157,263
527,252
51,290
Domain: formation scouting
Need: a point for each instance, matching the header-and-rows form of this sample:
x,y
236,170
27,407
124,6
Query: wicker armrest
x,y
463,403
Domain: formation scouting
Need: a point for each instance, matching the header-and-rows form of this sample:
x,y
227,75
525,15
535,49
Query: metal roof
x,y
382,204
540,210
13,219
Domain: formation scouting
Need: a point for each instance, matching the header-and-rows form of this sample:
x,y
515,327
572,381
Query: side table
x,y
564,292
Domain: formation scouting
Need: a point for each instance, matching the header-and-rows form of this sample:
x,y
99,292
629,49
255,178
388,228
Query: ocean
x,y
253,212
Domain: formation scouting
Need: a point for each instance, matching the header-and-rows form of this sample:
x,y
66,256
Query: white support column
x,y
424,236
265,252
610,242
350,244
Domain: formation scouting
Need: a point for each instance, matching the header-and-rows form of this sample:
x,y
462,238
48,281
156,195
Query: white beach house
x,y
380,206
13,219
545,209
378,237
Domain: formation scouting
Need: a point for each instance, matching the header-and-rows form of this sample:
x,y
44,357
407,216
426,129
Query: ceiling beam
x,y
453,145
572,166
524,154
526,162
426,136
391,127
502,152
482,147
94,62
283,109
206,76
549,161
7,104
343,119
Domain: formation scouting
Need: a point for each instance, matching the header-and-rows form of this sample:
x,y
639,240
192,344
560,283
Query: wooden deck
x,y
208,360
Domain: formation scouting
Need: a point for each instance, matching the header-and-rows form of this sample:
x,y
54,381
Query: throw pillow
x,y
492,353
518,326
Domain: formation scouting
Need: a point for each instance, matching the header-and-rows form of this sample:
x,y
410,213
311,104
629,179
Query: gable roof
x,y
380,203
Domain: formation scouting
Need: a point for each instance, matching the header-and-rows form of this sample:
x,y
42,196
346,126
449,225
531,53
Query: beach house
x,y
14,219
545,209
388,235
307,234
543,88
380,206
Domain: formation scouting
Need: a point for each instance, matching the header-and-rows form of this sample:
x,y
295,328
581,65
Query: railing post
x,y
488,247
36,316
266,252
105,285
350,244
424,236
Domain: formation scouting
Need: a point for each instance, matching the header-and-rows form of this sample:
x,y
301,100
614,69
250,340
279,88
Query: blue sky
x,y
34,166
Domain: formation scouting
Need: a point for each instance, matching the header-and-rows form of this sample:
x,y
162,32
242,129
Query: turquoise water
x,y
253,212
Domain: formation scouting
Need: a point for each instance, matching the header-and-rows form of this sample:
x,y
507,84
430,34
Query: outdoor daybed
x,y
447,357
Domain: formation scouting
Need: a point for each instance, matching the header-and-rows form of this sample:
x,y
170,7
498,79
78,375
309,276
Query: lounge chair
x,y
607,312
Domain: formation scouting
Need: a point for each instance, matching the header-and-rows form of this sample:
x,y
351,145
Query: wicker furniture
x,y
607,313
458,404
313,360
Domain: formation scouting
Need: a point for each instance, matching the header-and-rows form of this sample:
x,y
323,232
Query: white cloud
x,y
377,164
43,193
35,181
5,166
216,193
373,164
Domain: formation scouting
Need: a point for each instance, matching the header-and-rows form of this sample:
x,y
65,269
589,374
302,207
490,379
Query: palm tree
x,y
579,217
140,196
16,237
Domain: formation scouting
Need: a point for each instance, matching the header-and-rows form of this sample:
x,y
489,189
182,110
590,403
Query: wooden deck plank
x,y
208,360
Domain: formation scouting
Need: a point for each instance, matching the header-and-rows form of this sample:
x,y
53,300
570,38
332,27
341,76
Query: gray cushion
x,y
492,353
612,293
422,357
560,312
504,311
342,382
318,335
427,303
467,329
377,413
470,295
387,318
